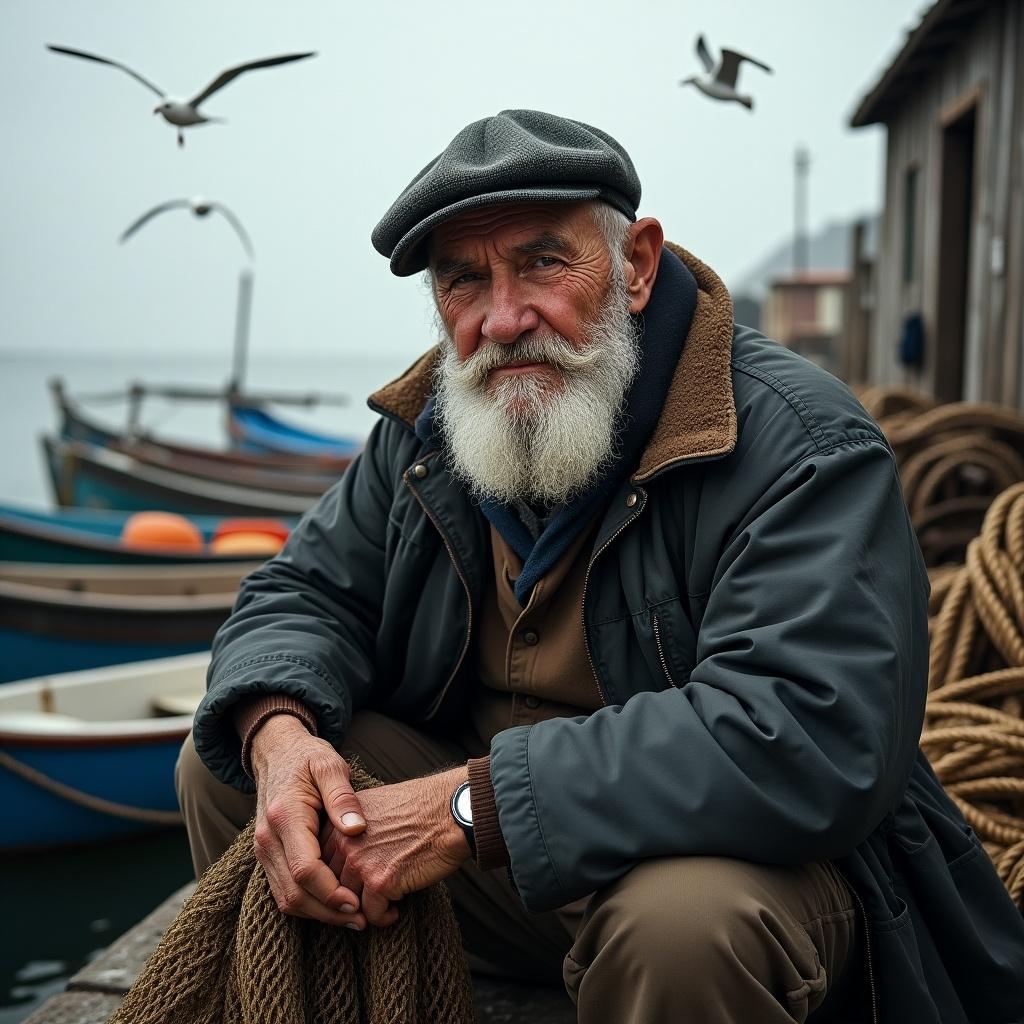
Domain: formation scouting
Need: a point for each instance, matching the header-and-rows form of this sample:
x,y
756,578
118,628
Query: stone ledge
x,y
95,992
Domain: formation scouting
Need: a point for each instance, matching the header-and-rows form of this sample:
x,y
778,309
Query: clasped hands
x,y
338,856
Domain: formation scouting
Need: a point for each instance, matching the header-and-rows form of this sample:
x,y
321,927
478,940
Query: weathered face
x,y
505,274
538,348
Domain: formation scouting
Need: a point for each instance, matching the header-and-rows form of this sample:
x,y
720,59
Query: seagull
x,y
720,82
184,113
201,208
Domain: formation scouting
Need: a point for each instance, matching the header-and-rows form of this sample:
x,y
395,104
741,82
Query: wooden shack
x,y
947,313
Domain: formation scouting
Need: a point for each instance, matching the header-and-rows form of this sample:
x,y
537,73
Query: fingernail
x,y
347,908
354,927
352,819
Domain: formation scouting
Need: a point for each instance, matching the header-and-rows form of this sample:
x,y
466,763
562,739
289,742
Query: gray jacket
x,y
756,617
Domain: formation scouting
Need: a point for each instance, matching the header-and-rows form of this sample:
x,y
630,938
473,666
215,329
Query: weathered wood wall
x,y
986,66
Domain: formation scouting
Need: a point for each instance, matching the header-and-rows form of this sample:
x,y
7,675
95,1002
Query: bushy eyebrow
x,y
451,266
545,242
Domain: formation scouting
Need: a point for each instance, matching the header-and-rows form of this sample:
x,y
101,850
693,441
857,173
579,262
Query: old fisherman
x,y
623,603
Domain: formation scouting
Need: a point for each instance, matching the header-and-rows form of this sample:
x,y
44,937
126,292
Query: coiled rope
x,y
974,721
954,460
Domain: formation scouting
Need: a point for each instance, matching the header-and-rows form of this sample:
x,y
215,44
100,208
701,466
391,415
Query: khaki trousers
x,y
702,939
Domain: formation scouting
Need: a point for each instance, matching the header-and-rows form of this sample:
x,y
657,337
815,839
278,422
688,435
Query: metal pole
x,y
242,315
802,165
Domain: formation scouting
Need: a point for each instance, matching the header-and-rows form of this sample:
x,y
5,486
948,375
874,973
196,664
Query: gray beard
x,y
531,439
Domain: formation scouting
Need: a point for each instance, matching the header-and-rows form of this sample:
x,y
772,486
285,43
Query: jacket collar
x,y
698,419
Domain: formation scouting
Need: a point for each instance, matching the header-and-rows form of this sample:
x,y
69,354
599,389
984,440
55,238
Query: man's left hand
x,y
411,841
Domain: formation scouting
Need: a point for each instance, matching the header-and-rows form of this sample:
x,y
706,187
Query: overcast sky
x,y
313,153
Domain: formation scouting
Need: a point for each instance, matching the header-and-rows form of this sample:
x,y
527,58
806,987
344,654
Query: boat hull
x,y
137,774
89,536
47,630
70,741
77,427
85,475
253,429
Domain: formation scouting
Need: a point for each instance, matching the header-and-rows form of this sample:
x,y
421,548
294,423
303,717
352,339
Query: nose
x,y
508,314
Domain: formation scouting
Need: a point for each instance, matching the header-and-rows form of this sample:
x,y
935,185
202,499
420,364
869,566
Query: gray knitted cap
x,y
517,156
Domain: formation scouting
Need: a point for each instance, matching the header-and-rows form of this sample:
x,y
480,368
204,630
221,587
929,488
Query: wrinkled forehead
x,y
510,226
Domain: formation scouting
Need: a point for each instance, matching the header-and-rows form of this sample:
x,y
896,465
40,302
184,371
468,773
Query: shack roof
x,y
941,26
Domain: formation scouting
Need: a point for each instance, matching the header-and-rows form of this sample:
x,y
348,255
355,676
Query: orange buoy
x,y
273,527
161,530
246,544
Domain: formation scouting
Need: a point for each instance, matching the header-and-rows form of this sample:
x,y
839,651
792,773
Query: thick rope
x,y
974,722
231,957
954,460
93,803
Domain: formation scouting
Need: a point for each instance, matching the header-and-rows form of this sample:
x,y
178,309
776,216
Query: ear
x,y
643,254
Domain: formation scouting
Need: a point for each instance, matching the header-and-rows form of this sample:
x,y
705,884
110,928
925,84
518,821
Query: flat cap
x,y
514,157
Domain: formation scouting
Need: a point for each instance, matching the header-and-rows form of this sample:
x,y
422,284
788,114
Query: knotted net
x,y
231,957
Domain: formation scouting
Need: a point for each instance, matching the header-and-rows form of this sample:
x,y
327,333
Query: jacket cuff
x,y
249,715
491,851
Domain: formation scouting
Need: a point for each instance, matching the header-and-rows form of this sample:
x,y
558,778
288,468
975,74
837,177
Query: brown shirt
x,y
532,663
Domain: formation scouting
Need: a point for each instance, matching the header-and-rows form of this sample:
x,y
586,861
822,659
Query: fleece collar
x,y
698,417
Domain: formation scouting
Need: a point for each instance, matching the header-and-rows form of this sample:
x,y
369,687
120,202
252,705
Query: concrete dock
x,y
96,991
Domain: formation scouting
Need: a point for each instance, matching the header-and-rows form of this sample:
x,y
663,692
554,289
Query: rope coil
x,y
974,720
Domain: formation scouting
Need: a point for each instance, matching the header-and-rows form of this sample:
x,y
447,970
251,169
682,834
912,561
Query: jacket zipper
x,y
661,652
469,600
586,581
867,941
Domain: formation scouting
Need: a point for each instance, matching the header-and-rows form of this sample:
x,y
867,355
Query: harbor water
x,y
61,908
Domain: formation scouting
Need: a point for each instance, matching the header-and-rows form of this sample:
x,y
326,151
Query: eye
x,y
546,262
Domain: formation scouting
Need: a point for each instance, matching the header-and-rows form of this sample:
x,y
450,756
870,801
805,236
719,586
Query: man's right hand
x,y
297,777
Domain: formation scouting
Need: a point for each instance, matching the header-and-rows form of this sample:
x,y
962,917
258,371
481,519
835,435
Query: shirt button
x,y
631,499
420,470
532,702
531,638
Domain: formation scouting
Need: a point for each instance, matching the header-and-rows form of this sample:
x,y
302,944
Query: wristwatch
x,y
462,812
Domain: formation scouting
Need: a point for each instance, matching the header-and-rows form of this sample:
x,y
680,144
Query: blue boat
x,y
254,429
89,756
62,619
80,536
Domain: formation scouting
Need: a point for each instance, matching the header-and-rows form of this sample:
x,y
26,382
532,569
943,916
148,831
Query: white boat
x,y
88,756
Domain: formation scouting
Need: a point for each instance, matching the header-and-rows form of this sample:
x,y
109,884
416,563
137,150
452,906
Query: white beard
x,y
531,438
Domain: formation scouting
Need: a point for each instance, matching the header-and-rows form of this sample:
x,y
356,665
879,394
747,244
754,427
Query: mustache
x,y
554,350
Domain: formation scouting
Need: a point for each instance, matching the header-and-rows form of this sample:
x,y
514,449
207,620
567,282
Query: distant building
x,y
948,286
804,311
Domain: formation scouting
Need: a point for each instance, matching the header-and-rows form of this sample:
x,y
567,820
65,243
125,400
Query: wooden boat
x,y
89,756
95,477
77,426
254,429
76,536
62,619
290,482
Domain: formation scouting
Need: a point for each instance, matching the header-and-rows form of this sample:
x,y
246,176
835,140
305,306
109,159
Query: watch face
x,y
463,805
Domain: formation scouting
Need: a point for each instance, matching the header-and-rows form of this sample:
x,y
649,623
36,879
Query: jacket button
x,y
532,702
631,499
531,638
420,470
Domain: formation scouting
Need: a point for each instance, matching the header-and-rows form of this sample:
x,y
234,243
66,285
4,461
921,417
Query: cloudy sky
x,y
312,154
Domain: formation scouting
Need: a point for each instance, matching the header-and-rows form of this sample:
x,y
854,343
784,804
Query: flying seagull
x,y
184,113
720,82
200,207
